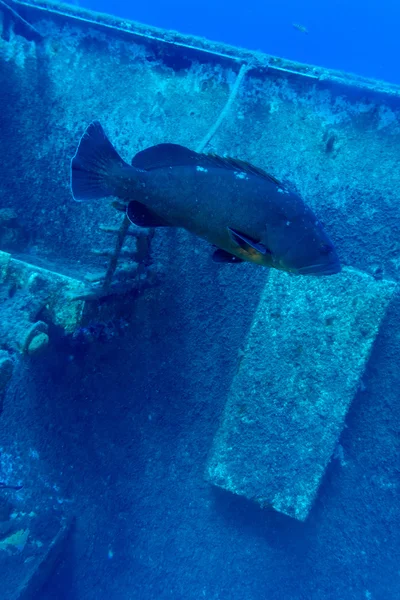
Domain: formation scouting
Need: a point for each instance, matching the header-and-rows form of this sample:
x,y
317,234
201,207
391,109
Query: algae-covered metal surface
x,y
114,418
301,366
322,136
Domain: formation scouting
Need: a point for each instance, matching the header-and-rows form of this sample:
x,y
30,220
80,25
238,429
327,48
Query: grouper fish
x,y
242,211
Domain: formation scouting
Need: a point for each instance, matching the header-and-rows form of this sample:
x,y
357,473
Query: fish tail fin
x,y
96,167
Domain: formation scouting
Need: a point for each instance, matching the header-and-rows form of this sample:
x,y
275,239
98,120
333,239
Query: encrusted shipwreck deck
x,y
306,351
27,562
331,135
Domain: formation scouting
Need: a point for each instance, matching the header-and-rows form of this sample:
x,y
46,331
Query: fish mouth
x,y
321,269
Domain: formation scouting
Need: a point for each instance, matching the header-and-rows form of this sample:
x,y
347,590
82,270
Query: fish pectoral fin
x,y
140,215
222,256
246,242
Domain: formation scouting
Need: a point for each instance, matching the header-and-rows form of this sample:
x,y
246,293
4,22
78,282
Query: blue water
x,y
351,35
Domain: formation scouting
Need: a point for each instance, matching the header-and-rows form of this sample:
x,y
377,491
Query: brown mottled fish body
x,y
204,200
241,210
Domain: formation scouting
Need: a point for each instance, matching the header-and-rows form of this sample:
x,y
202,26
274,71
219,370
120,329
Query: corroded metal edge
x,y
207,50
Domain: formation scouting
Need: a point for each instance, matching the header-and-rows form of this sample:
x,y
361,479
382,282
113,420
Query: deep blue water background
x,y
351,35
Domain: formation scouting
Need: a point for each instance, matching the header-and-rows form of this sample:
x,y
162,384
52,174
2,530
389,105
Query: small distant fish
x,y
242,211
300,28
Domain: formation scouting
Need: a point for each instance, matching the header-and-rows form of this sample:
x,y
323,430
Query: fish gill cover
x,y
217,430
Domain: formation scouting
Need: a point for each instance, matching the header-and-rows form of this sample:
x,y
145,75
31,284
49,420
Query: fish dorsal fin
x,y
243,166
174,155
165,155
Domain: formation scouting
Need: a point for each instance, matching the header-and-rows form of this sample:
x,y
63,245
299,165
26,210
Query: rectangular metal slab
x,y
306,351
